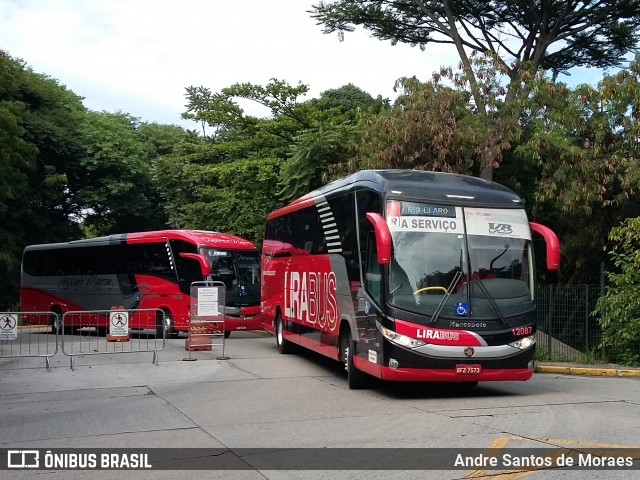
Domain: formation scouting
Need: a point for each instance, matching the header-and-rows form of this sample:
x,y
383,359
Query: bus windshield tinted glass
x,y
477,266
239,271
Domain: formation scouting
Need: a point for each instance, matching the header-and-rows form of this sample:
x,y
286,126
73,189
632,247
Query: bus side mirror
x,y
553,244
204,263
383,237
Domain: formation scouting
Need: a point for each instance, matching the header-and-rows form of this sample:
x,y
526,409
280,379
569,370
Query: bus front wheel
x,y
355,378
284,346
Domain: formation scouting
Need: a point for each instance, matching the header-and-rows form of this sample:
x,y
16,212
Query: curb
x,y
589,371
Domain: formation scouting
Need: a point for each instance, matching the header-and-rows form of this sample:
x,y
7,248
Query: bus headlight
x,y
524,343
399,339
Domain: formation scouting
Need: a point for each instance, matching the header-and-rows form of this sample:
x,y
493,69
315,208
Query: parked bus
x,y
406,275
146,270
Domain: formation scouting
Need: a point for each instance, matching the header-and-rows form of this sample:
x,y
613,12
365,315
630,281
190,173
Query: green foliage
x,y
619,310
582,146
232,197
300,146
595,34
521,37
436,125
349,99
118,195
38,120
312,155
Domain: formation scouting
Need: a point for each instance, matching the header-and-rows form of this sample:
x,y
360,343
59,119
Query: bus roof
x,y
418,185
202,238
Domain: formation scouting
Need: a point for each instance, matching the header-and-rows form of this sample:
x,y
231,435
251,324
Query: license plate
x,y
472,369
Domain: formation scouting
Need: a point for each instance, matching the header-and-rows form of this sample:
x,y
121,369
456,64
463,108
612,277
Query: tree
x,y
523,37
286,155
348,99
38,146
435,125
582,145
199,186
232,197
117,194
323,149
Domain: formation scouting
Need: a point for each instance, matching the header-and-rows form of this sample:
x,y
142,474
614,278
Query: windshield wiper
x,y
443,302
492,302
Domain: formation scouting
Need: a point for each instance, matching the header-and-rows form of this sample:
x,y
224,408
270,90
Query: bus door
x,y
370,295
188,269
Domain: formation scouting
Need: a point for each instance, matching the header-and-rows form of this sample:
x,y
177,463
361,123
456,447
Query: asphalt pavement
x,y
249,395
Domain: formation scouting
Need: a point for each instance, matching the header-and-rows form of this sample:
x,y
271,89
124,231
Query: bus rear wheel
x,y
284,346
55,320
167,328
355,378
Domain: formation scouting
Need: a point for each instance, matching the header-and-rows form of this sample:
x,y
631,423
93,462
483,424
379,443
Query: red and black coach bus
x,y
406,275
142,271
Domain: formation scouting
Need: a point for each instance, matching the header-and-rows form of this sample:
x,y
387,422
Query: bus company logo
x,y
469,351
311,297
500,228
91,280
438,335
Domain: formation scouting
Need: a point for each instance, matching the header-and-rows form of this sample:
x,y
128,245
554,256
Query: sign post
x,y
207,317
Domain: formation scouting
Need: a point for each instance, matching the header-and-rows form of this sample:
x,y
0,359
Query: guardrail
x,y
29,334
104,332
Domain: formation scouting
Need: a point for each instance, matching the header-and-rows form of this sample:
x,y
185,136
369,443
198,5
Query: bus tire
x,y
55,320
227,333
355,378
169,328
160,318
284,346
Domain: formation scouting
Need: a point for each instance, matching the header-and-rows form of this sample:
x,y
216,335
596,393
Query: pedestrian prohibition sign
x,y
118,326
8,327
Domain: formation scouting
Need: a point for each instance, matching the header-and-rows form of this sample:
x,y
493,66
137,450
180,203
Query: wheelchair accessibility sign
x,y
462,309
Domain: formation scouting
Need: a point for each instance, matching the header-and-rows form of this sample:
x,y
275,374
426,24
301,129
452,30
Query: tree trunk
x,y
484,164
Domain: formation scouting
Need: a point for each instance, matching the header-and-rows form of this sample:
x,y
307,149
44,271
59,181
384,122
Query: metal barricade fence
x,y
29,334
101,332
569,331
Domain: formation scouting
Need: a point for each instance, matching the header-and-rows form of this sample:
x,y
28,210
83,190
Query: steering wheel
x,y
428,289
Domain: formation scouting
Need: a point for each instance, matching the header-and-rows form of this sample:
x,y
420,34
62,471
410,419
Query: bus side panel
x,y
159,293
38,300
317,297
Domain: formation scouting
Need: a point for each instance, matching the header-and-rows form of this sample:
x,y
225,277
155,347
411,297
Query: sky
x,y
138,56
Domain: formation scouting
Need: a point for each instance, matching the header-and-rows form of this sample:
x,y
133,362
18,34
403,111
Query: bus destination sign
x,y
426,210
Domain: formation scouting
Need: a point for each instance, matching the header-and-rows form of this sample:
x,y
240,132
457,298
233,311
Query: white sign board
x,y
208,305
119,323
8,326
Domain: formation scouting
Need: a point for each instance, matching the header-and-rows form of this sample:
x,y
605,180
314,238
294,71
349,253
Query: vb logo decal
x,y
502,228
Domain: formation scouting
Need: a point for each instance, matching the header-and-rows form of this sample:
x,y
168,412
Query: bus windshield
x,y
239,271
457,263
